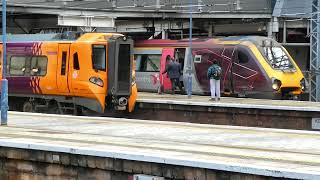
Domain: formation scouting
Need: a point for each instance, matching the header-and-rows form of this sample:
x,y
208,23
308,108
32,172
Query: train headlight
x,y
276,84
123,101
303,84
96,81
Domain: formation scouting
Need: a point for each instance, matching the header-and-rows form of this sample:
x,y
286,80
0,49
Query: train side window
x,y
149,63
99,57
63,63
17,66
137,60
76,65
197,58
242,56
39,66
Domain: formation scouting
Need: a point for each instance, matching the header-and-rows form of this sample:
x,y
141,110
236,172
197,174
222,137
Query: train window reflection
x,y
148,63
277,58
64,63
28,66
76,65
17,65
39,66
242,57
99,57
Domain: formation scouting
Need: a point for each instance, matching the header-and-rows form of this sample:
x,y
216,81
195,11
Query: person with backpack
x,y
173,70
214,74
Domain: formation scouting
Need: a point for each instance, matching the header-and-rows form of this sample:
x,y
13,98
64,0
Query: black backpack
x,y
216,72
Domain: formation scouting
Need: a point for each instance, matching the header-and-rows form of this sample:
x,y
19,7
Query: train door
x,y
62,68
147,71
227,80
76,78
180,54
164,79
243,74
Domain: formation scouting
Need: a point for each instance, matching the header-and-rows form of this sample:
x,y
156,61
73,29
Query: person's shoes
x,y
218,99
211,99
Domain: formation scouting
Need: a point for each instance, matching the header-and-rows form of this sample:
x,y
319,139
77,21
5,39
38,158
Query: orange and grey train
x,y
63,73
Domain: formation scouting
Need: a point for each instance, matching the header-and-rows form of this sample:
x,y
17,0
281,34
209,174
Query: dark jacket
x,y
214,72
173,69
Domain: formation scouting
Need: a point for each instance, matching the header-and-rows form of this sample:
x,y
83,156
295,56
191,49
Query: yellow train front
x,y
63,73
272,74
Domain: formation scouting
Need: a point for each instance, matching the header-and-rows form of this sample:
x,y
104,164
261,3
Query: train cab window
x,y
278,58
38,66
76,65
99,57
242,57
17,66
148,63
63,63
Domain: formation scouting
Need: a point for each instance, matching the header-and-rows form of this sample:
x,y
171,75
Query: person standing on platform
x,y
173,69
178,71
214,75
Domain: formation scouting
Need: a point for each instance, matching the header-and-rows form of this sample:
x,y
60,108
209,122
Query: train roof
x,y
37,37
68,36
171,43
257,40
241,38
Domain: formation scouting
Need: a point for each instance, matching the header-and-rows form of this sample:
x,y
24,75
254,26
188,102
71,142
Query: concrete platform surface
x,y
268,152
231,102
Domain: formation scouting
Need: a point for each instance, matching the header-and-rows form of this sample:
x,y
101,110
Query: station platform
x,y
230,102
282,114
257,151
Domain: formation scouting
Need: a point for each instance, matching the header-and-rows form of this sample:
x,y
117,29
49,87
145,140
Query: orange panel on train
x,y
70,72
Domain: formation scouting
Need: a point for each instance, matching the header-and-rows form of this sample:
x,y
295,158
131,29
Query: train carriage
x,y
70,72
253,66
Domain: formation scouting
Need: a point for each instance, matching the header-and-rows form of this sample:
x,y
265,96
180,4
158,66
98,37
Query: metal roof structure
x,y
293,8
145,8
